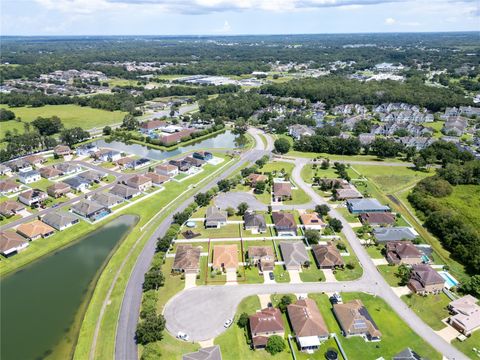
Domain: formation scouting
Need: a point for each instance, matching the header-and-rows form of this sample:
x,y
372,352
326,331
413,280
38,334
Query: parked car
x,y
182,336
228,323
271,275
336,298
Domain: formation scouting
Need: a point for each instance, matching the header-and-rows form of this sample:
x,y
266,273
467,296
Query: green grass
x,y
173,285
278,166
311,155
389,273
252,276
42,184
347,274
71,116
226,231
431,309
309,171
467,346
281,275
375,252
465,201
312,273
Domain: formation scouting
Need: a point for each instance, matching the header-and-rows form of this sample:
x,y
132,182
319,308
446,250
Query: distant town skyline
x,y
235,17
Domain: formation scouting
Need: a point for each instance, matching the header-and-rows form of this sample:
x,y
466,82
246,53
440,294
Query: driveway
x,y
233,199
190,280
294,277
329,276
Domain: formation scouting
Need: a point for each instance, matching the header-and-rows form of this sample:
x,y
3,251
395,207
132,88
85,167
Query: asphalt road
x,y
125,345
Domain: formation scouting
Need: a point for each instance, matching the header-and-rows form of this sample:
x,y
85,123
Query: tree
x,y
243,320
404,273
335,224
151,352
130,122
322,210
153,279
6,115
312,236
224,185
230,211
242,208
107,130
150,330
260,187
48,126
471,286
282,146
240,127
181,217
385,147
73,136
284,302
202,199
275,344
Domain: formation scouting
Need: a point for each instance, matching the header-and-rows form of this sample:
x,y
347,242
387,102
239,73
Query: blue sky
x,y
231,17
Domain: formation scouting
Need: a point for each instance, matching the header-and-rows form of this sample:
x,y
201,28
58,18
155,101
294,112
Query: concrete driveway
x,y
233,199
294,276
190,280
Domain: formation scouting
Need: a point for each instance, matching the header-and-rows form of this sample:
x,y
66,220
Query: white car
x,y
182,336
228,323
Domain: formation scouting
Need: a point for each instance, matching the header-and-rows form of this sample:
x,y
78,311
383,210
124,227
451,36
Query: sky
x,y
234,17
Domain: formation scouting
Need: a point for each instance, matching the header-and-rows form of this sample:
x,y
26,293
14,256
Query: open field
x,y
71,116
465,200
431,309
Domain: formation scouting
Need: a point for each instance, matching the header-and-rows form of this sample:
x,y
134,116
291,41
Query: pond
x,y
42,305
220,141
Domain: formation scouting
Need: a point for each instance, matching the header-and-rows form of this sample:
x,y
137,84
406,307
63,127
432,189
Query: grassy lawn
x,y
226,231
252,276
389,274
203,245
298,197
396,335
312,273
71,116
346,274
375,252
170,347
309,171
464,200
5,220
346,158
278,166
173,285
281,275
351,218
431,309
42,184
468,345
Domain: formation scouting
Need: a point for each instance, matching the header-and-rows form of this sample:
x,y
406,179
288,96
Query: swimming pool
x,y
425,259
450,281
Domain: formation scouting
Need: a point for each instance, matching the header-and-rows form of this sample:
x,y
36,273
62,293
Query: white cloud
x,y
390,21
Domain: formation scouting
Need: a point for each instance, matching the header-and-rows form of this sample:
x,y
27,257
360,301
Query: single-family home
x,y
19,165
402,252
90,210
253,179
106,199
254,222
261,256
297,131
108,155
11,243
77,183
62,150
58,189
187,259
29,177
282,191
181,165
225,257
377,219
407,354
208,353
152,125
327,256
308,324
49,172
203,155
8,186
265,323
139,182
32,197
215,218
311,221
284,223
347,192
194,161
5,170
366,138
367,205
294,255
465,314
124,191
425,280
126,162
156,179
35,230
35,160
10,207
87,149
68,169
176,137
92,176
355,320
396,233
167,170
60,220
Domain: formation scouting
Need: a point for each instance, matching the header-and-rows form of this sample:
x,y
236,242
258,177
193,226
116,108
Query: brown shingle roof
x,y
267,320
426,275
260,251
311,219
306,319
354,318
327,255
283,219
377,218
49,172
402,250
8,185
10,240
9,207
157,178
34,229
58,188
226,255
282,189
187,258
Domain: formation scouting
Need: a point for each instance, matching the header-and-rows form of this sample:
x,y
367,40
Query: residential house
x,y
62,150
35,160
181,165
152,125
294,255
60,220
107,200
32,197
253,179
87,149
355,320
139,182
425,280
265,323
308,324
455,126
167,170
262,256
29,177
124,191
176,137
215,218
465,314
58,189
68,169
208,353
156,179
407,354
225,257
347,192
194,161
126,162
8,186
397,233
402,252
254,222
366,138
19,165
203,155
92,176
284,223
297,131
469,111
327,256
77,183
11,243
367,205
282,191
377,219
5,170
49,172
108,155
311,221
10,208
35,230
90,210
187,259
